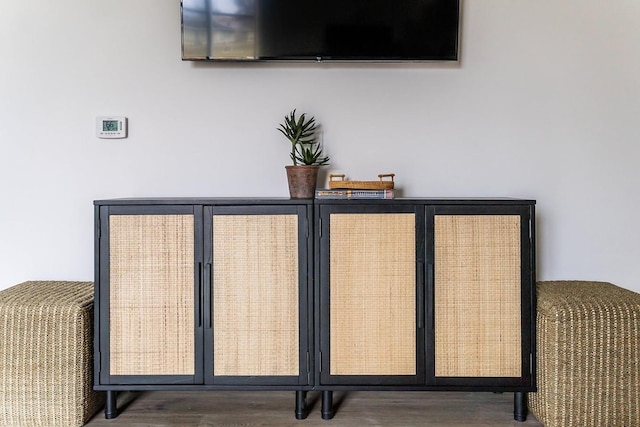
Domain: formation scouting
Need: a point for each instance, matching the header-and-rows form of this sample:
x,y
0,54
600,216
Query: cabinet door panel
x,y
255,292
372,295
478,296
151,295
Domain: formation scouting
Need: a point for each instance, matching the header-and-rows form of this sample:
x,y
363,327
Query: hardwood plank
x,y
276,408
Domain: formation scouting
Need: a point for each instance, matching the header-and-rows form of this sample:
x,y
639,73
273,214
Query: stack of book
x,y
339,188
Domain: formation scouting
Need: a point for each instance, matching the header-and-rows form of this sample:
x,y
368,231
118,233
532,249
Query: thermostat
x,y
111,127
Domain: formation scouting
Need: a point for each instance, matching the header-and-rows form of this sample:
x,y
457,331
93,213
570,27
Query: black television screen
x,y
320,30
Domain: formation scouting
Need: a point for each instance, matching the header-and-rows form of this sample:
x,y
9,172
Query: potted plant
x,y
306,154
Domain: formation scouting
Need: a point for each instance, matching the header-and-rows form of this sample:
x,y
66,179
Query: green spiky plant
x,y
301,133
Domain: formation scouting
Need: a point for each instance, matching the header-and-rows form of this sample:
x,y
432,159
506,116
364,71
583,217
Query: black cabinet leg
x,y
327,405
301,405
520,406
111,407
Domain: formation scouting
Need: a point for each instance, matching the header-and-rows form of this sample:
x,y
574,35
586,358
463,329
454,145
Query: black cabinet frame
x,y
323,346
203,379
527,381
425,379
314,292
304,279
102,300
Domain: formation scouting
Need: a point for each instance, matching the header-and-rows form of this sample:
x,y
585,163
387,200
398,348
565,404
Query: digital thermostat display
x,y
111,127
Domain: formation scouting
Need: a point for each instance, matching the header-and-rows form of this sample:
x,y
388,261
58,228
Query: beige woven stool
x,y
46,348
588,364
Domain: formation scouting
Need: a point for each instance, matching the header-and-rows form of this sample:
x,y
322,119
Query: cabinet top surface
x,y
288,201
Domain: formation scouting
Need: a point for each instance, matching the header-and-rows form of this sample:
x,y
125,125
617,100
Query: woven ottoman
x,y
588,338
46,348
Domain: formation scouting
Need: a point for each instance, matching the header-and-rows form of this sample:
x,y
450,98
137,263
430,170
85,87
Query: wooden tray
x,y
337,181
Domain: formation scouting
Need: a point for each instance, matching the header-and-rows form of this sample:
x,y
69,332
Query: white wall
x,y
545,104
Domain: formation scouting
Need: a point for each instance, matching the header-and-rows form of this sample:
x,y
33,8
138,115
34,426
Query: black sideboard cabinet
x,y
326,295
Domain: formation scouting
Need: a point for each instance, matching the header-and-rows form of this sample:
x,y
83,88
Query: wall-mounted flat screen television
x,y
320,30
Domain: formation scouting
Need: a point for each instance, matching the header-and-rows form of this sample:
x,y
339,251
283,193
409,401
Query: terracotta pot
x,y
302,181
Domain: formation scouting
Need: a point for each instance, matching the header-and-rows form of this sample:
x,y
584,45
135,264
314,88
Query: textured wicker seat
x,y
588,355
46,340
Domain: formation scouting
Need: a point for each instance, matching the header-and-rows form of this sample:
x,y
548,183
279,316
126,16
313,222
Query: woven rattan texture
x,y
588,337
477,296
46,354
373,294
151,293
255,295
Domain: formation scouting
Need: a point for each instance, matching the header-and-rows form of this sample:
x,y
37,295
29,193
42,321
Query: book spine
x,y
372,194
355,194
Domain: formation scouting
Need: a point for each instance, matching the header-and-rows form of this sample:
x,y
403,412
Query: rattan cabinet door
x,y
369,290
258,267
482,296
148,305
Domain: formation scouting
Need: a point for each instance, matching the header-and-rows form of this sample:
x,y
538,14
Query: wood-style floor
x,y
276,408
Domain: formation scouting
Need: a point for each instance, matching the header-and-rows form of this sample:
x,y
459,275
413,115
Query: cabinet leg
x,y
111,406
327,405
520,406
301,405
